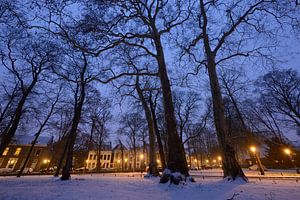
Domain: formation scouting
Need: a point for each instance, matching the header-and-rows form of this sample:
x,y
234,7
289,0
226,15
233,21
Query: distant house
x,y
118,158
15,154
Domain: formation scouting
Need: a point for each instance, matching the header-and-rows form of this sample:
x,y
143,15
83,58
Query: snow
x,y
134,187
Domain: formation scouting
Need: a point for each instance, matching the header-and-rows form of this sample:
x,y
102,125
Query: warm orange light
x,y
195,160
214,161
142,156
253,149
158,161
119,161
287,151
126,159
46,161
207,161
219,158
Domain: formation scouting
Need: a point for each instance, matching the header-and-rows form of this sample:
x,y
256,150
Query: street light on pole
x,y
253,150
289,153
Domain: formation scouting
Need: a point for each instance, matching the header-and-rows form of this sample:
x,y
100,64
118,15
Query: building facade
x,y
13,157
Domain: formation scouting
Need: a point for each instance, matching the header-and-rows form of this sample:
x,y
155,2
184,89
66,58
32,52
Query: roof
x,y
27,139
119,147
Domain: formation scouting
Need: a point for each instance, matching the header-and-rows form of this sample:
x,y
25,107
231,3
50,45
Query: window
x,y
104,157
5,152
108,157
101,157
91,157
11,163
17,152
95,157
37,152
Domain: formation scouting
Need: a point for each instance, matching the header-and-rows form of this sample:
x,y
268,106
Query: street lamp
x,y
288,152
142,162
220,160
253,150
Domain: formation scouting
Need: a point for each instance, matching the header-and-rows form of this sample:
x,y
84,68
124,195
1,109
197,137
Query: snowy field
x,y
122,187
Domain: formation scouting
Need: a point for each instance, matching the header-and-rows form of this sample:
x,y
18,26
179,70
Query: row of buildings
x,y
118,158
42,156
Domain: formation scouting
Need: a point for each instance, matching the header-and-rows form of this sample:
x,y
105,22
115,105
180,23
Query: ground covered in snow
x,y
122,187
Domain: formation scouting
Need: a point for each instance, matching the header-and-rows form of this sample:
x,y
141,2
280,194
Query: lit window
x,y
17,152
5,152
11,163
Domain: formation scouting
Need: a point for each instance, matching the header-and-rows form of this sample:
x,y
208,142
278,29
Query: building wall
x,y
14,157
105,160
115,159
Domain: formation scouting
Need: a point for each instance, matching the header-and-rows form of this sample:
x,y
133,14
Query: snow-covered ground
x,y
268,173
122,187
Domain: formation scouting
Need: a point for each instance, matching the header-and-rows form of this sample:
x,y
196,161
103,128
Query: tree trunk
x,y
153,171
98,165
158,137
176,156
37,135
73,133
62,157
231,167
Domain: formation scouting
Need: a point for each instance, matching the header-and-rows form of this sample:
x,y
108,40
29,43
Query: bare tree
x,y
186,104
155,19
98,111
25,62
280,90
38,133
132,125
225,40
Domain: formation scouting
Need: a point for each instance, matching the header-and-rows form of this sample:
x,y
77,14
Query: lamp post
x,y
253,150
126,163
142,162
289,153
220,161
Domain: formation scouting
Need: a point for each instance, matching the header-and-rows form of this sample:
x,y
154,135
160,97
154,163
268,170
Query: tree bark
x,y
176,156
153,171
231,167
73,133
158,137
62,157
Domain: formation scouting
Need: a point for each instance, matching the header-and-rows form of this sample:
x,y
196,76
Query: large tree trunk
x,y
158,137
231,167
62,157
152,153
176,156
73,133
99,148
